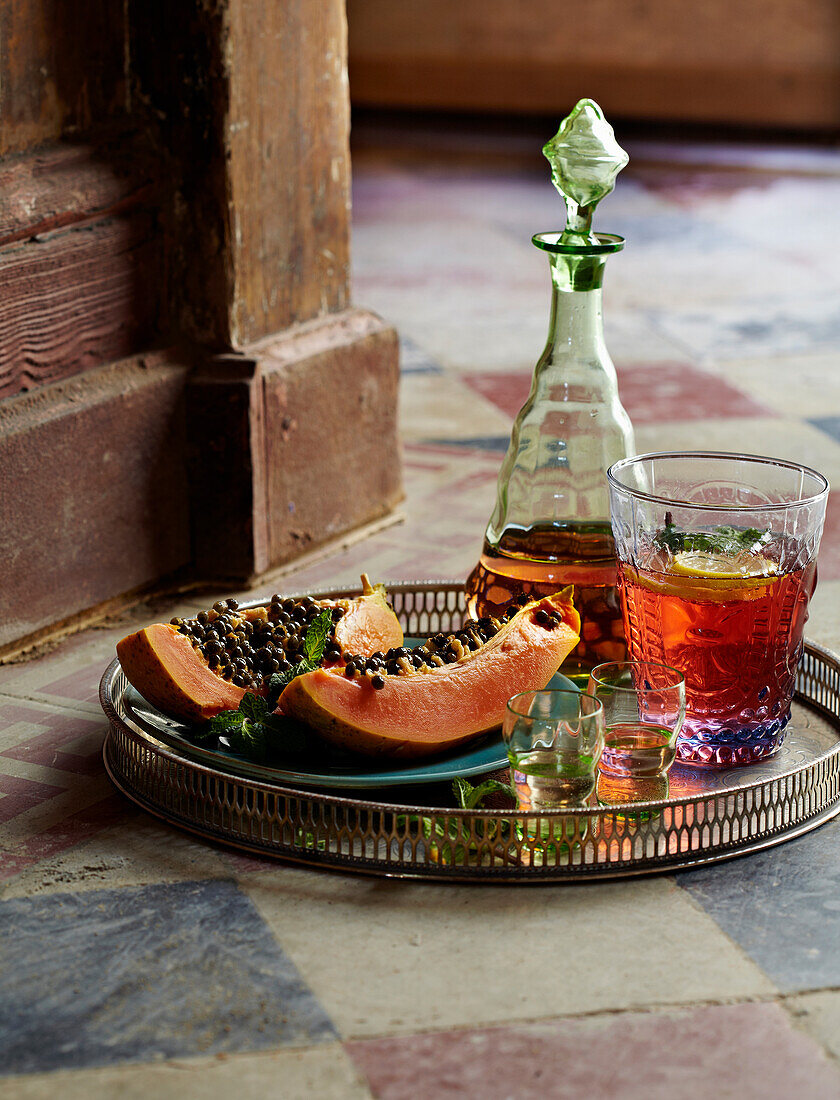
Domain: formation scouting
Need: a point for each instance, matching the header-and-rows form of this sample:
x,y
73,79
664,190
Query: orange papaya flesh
x,y
425,712
172,676
368,623
170,665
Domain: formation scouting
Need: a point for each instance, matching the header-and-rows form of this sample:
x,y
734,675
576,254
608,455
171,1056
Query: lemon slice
x,y
722,567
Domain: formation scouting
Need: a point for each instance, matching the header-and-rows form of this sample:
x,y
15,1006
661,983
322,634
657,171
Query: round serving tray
x,y
709,815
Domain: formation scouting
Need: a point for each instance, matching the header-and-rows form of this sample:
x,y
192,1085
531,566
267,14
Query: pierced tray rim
x,y
114,756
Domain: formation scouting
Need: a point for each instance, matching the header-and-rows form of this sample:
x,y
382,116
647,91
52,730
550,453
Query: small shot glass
x,y
554,740
621,792
644,709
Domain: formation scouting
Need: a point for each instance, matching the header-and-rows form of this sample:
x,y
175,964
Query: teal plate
x,y
327,767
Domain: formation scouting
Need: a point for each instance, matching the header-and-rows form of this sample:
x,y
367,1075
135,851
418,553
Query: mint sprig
x,y
252,729
253,707
470,797
280,680
314,647
254,732
723,540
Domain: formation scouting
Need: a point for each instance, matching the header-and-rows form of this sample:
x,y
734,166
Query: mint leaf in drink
x,y
721,540
668,536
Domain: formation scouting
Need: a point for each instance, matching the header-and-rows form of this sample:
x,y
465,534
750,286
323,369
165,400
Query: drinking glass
x,y
717,558
622,792
644,709
554,740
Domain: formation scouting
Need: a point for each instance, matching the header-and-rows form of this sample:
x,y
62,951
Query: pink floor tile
x,y
20,795
81,685
693,190
679,391
12,864
650,393
64,834
507,390
748,1051
68,743
418,467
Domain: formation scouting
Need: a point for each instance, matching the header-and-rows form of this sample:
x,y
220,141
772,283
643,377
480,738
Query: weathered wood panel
x,y
225,429
233,230
250,99
62,69
78,297
93,491
287,144
332,452
62,185
753,62
293,443
182,81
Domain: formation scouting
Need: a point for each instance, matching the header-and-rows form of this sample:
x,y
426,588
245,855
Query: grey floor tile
x,y
145,973
828,424
782,906
498,443
414,360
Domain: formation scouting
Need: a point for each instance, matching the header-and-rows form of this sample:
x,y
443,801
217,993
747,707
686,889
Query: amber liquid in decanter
x,y
539,561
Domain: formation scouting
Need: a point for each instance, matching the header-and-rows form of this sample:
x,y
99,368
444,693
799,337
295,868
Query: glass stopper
x,y
585,158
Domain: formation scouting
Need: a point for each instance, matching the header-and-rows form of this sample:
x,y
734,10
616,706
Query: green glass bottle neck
x,y
575,322
576,264
577,273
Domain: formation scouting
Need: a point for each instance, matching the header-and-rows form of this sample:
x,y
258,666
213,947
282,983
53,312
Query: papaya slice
x,y
392,708
192,669
163,666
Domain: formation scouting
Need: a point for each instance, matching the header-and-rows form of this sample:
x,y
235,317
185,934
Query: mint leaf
x,y
249,740
314,646
722,540
252,730
317,637
469,797
219,725
279,680
253,706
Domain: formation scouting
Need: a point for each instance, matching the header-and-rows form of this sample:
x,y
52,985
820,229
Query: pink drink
x,y
738,644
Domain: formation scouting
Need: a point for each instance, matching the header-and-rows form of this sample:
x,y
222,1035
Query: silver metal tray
x,y
707,816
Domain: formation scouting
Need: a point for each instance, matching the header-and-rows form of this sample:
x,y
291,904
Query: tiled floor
x,y
138,961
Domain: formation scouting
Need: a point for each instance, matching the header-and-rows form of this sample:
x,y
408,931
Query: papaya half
x,y
409,704
193,669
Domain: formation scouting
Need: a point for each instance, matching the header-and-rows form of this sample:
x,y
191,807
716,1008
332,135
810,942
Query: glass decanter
x,y
551,523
